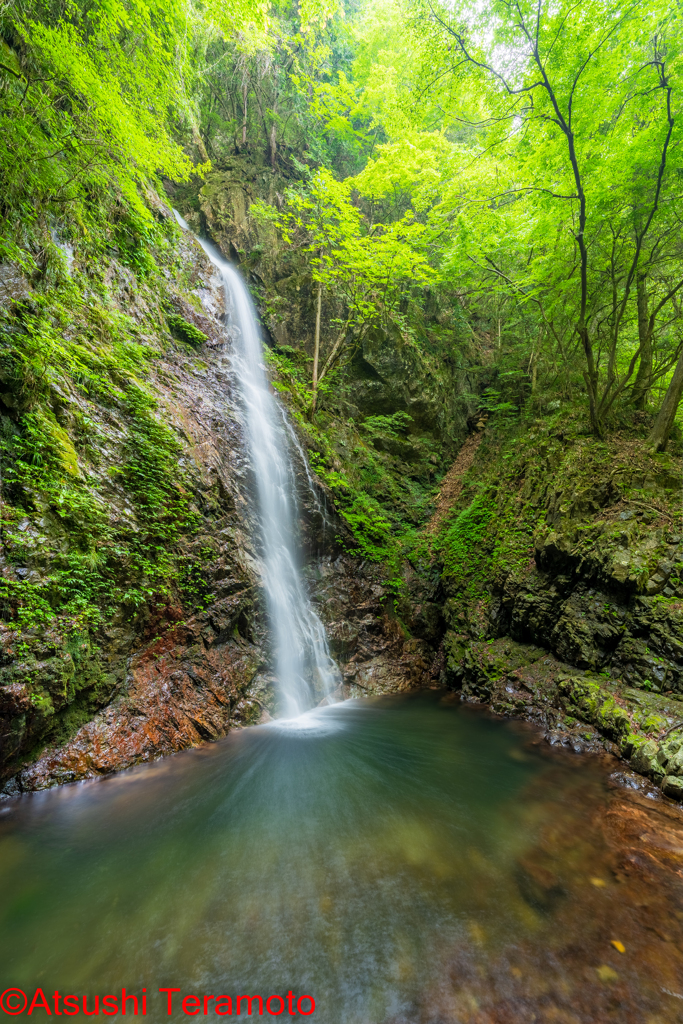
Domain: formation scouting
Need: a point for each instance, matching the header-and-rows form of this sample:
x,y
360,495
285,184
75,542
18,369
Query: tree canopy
x,y
522,157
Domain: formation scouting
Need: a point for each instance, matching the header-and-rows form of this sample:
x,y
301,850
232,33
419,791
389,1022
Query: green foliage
x,y
132,237
24,603
396,425
449,177
366,265
383,502
532,151
371,527
555,201
465,555
88,97
186,331
38,349
278,89
291,371
149,471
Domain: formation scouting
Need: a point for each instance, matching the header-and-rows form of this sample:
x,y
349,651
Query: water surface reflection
x,y
379,855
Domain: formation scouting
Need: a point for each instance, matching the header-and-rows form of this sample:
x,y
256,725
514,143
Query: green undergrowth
x,y
489,538
185,331
382,473
534,477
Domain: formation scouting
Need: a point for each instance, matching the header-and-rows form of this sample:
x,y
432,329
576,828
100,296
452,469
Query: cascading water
x,y
304,669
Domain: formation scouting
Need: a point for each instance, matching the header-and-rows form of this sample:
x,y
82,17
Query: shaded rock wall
x,y
376,652
579,552
565,603
167,662
606,592
172,671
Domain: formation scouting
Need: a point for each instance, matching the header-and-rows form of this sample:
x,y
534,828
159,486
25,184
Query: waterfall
x,y
304,670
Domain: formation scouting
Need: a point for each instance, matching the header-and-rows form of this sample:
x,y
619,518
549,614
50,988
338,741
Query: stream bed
x,y
401,859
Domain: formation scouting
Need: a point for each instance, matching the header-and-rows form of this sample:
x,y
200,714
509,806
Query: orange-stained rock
x,y
184,688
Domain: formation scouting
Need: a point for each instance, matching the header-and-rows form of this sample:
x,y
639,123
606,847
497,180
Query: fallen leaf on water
x,y
606,973
619,946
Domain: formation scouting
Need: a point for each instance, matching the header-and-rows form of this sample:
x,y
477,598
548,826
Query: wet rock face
x,y
201,677
223,213
588,631
188,686
174,670
14,286
391,376
636,636
374,652
604,589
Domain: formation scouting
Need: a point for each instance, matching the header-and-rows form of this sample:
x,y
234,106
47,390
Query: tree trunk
x,y
316,349
336,349
533,362
641,387
590,375
273,146
199,142
244,116
664,422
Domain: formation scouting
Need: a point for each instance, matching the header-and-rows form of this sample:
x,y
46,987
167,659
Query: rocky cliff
x,y
563,576
515,560
132,608
129,578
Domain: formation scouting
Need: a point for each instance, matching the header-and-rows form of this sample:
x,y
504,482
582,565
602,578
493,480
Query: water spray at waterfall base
x,y
305,671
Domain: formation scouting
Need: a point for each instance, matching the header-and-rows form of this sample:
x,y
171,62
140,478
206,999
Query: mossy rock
x,y
612,720
585,696
672,786
644,758
185,331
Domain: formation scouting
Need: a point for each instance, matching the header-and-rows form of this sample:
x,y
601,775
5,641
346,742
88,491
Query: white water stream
x,y
304,669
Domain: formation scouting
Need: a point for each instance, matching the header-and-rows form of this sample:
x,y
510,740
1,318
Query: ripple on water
x,y
398,859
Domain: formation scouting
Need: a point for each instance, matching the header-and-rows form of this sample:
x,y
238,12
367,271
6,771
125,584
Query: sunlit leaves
x,y
368,264
93,107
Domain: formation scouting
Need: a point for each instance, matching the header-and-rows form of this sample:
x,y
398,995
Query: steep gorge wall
x,y
129,577
132,622
563,579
